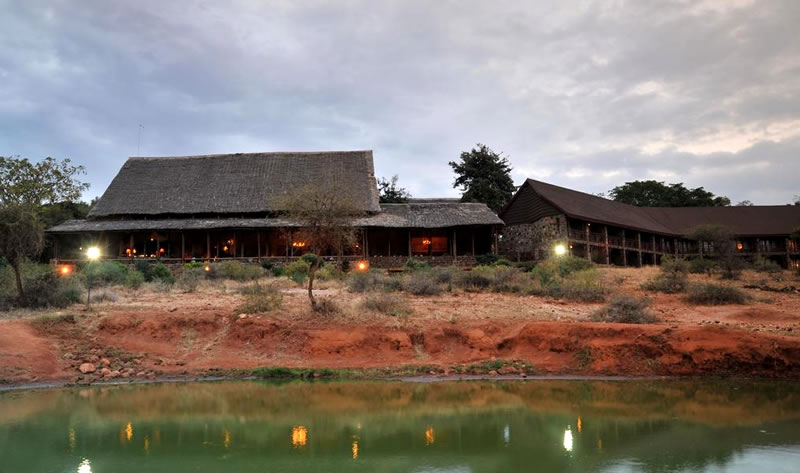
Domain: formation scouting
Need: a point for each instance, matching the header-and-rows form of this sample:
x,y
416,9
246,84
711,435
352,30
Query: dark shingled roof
x,y
744,221
410,215
233,183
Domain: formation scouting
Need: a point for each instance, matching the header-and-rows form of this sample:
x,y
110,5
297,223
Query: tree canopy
x,y
658,194
484,176
34,184
390,192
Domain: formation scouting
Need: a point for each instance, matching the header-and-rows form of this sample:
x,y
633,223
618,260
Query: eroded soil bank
x,y
150,334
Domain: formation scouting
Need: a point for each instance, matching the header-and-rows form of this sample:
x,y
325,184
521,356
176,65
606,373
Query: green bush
x,y
625,310
502,262
509,279
278,271
581,286
267,265
479,279
374,281
673,278
389,304
154,271
327,306
559,266
42,286
298,270
417,265
194,264
487,259
105,273
715,294
327,272
446,274
309,258
765,265
189,279
134,279
702,266
237,271
259,299
422,284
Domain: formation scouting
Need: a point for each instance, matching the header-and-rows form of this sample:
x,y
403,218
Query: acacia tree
x,y
722,243
390,192
325,217
24,188
657,194
484,176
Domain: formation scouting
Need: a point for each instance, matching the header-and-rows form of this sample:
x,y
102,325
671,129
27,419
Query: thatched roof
x,y
760,220
411,215
233,183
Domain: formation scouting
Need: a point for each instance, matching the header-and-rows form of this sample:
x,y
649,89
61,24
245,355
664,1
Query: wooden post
x,y
183,248
258,244
788,256
496,248
409,244
158,248
624,249
288,241
455,251
290,244
588,242
366,244
208,246
654,249
473,242
675,246
608,249
639,240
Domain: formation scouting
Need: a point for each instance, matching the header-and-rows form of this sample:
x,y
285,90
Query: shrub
x,y
278,271
389,304
446,274
154,271
327,306
487,259
508,279
764,265
43,287
674,277
297,271
106,273
309,258
190,278
502,262
581,286
237,271
715,294
417,265
374,281
105,295
259,299
479,279
267,265
559,266
327,272
423,284
702,265
134,279
626,310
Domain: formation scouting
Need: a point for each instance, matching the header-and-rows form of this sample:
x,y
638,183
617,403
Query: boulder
x,y
105,362
87,368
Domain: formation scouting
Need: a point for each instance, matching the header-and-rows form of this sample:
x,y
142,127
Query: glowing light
x,y
568,440
85,466
93,253
225,248
739,246
65,270
560,250
161,250
362,265
207,268
128,251
227,441
354,449
129,432
73,439
426,241
298,244
299,436
146,445
430,436
580,424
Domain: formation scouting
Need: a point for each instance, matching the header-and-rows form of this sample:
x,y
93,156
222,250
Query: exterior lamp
x,y
93,253
739,246
560,250
65,270
362,265
207,268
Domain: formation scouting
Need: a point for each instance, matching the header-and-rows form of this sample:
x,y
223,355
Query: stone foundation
x,y
533,241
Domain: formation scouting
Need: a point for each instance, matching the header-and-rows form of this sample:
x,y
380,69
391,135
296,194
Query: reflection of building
x,y
229,206
609,232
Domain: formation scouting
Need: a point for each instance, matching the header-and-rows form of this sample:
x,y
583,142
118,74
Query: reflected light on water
x,y
568,439
355,449
580,424
146,445
299,436
507,434
430,436
73,439
227,440
85,466
129,432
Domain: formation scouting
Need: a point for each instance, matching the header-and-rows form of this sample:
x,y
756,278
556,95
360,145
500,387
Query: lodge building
x,y
542,215
213,207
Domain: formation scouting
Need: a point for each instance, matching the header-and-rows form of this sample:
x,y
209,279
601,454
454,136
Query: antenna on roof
x,y
139,139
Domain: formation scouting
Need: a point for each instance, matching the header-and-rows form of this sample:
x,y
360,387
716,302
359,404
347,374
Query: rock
x,y
105,372
114,374
105,362
523,375
67,356
493,373
125,374
140,374
87,368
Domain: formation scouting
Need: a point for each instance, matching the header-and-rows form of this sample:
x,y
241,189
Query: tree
x,y
721,240
26,187
657,194
795,233
797,200
744,203
390,193
21,237
326,221
484,176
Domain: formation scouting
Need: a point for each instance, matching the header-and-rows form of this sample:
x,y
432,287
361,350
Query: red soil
x,y
153,334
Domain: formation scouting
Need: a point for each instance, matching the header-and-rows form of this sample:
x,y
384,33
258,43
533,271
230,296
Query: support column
x,y
288,242
608,249
675,246
639,239
624,249
183,248
409,244
455,250
495,249
654,249
787,243
366,245
588,244
258,244
473,242
208,246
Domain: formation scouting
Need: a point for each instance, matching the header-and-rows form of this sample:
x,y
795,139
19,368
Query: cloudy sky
x,y
585,94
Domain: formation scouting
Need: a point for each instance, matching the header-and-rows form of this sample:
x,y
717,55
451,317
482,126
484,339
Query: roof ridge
x,y
251,153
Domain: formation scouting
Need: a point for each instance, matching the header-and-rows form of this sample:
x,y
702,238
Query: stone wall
x,y
533,241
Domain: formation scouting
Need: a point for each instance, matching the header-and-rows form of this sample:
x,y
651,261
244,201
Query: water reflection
x,y
561,426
